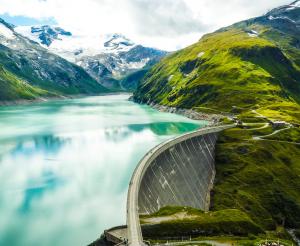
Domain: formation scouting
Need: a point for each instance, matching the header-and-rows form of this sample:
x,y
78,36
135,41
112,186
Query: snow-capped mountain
x,y
278,22
46,34
288,12
118,42
107,58
35,65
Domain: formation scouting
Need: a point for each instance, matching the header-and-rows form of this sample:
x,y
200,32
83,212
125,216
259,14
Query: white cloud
x,y
167,24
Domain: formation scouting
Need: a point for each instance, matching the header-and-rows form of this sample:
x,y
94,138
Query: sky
x,y
164,24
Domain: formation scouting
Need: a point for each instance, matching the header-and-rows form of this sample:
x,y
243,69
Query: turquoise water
x,y
65,165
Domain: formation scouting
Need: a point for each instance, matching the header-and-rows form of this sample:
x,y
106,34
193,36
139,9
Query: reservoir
x,y
65,165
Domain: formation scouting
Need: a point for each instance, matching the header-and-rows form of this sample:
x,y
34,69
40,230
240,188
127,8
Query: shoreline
x,y
21,102
213,119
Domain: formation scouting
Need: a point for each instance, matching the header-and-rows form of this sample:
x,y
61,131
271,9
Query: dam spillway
x,y
179,172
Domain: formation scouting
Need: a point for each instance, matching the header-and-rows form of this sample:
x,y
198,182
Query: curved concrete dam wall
x,y
179,172
180,175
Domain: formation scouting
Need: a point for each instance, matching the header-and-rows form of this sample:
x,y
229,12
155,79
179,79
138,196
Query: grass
x,y
261,132
258,80
24,77
235,70
287,111
255,196
260,178
230,240
13,88
251,117
226,222
289,135
226,226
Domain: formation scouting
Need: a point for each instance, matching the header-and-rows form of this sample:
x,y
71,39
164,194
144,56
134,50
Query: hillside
x,y
13,88
260,178
37,67
251,71
253,64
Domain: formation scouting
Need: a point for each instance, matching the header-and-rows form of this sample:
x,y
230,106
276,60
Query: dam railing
x,y
134,232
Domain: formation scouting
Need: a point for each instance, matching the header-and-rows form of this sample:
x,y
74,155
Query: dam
x,y
178,172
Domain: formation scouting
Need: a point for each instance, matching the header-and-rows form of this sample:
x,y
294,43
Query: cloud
x,y
164,18
168,24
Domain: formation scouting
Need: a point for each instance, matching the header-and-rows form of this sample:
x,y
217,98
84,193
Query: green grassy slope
x,y
51,73
196,222
257,78
229,226
13,88
234,69
129,83
260,178
230,68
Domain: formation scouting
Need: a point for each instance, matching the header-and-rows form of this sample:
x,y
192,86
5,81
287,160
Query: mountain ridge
x,y
108,59
248,72
29,62
248,64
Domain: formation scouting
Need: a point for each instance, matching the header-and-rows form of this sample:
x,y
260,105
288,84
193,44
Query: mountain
x,y
109,58
249,71
253,64
41,71
46,35
111,67
14,88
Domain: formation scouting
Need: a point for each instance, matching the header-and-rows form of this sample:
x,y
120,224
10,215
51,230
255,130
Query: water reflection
x,y
36,189
164,128
65,166
48,145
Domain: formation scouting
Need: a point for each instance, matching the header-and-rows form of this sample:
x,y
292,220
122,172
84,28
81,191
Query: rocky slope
x,y
109,59
27,61
254,64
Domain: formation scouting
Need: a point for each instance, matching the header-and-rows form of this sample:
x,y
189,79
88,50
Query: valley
x,y
109,59
56,165
203,140
249,73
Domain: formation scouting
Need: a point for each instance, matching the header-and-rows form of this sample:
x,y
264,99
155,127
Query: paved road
x,y
135,237
190,243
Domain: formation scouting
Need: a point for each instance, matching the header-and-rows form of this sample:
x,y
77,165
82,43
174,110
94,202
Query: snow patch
x,y
26,32
68,46
138,65
253,33
6,32
295,4
280,17
290,8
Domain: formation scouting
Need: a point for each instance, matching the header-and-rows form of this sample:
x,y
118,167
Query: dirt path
x,y
264,125
272,134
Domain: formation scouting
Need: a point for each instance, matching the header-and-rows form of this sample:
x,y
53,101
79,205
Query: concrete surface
x,y
178,172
